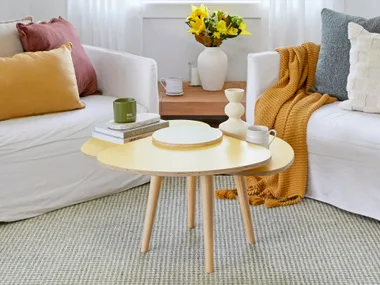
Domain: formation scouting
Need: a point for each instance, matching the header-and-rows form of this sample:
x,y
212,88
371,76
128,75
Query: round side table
x,y
231,156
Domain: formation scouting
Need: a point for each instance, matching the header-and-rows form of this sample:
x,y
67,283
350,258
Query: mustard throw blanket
x,y
287,107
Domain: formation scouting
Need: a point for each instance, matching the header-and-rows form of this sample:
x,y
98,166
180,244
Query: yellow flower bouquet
x,y
212,29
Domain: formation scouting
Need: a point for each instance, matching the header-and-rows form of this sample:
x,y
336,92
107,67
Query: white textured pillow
x,y
363,85
10,43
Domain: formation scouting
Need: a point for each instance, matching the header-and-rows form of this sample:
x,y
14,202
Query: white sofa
x,y
343,146
41,166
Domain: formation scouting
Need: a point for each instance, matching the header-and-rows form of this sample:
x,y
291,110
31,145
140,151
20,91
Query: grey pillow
x,y
334,58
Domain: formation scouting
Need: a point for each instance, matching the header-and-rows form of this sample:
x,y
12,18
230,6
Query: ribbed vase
x,y
212,68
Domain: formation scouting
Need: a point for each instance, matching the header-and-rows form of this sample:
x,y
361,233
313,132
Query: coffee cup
x,y
173,85
124,110
259,135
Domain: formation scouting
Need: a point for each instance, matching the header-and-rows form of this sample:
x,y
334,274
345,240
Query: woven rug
x,y
98,242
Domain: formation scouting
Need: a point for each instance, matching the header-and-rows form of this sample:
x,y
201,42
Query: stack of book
x,y
146,124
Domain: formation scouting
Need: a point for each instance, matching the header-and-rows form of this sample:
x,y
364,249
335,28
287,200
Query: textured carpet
x,y
99,243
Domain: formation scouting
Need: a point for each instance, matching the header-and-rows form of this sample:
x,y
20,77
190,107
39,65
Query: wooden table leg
x,y
191,182
154,192
245,208
207,191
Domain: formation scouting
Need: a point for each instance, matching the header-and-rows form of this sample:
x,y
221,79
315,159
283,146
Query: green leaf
x,y
236,21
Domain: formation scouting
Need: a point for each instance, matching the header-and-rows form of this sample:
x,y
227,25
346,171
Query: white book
x,y
142,119
124,134
118,140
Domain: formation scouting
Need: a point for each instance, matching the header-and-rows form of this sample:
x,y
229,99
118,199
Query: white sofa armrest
x,y
263,73
125,75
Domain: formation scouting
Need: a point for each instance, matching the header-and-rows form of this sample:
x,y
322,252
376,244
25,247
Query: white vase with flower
x,y
211,30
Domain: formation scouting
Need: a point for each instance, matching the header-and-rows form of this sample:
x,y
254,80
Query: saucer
x,y
174,94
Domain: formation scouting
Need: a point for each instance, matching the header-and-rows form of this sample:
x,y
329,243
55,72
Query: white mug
x,y
259,135
174,85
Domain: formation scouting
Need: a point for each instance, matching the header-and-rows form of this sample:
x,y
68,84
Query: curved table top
x,y
227,158
282,159
142,156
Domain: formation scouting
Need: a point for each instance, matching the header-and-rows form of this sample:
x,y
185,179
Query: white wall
x,y
363,8
166,39
42,10
167,42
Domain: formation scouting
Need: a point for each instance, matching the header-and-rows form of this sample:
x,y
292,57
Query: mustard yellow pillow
x,y
35,83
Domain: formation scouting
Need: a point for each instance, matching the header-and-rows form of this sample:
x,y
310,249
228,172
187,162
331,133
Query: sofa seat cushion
x,y
344,134
39,130
42,167
344,155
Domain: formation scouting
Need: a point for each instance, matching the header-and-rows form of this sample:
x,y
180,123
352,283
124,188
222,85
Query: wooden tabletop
x,y
229,156
281,159
197,102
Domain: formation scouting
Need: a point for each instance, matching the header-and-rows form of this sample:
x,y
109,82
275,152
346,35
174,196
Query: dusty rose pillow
x,y
45,36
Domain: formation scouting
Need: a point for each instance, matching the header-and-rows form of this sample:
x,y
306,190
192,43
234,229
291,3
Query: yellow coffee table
x,y
230,156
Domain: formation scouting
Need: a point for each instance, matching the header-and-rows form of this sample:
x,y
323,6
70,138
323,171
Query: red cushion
x,y
46,36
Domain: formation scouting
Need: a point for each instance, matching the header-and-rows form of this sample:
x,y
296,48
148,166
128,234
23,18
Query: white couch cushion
x,y
37,130
42,168
344,155
347,135
10,43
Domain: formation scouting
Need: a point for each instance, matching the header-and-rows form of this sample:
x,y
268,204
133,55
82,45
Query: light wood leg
x,y
154,192
191,198
207,191
245,208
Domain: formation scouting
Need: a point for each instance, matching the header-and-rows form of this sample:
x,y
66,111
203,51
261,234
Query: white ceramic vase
x,y
234,126
212,68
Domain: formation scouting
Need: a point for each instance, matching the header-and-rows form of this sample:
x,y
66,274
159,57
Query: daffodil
x,y
211,29
221,27
216,35
232,31
197,25
243,28
198,12
220,15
